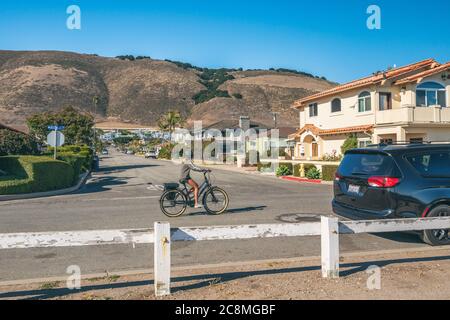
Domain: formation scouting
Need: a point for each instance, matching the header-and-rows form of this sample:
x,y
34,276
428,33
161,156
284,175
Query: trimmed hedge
x,y
72,154
296,170
76,161
34,174
328,172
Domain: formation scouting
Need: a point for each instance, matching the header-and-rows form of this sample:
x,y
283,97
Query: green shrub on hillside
x,y
29,174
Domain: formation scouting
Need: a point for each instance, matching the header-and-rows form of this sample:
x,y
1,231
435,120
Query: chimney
x,y
244,123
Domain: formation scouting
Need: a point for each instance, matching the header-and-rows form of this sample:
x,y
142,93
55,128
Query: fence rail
x,y
162,236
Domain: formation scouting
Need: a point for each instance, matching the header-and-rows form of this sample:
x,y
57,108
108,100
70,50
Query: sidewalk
x,y
410,275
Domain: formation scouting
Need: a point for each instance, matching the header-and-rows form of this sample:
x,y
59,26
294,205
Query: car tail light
x,y
383,182
337,177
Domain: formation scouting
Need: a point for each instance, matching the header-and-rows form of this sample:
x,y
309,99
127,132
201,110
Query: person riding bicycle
x,y
188,165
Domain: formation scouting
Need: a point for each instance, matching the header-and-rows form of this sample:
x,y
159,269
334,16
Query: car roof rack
x,y
407,143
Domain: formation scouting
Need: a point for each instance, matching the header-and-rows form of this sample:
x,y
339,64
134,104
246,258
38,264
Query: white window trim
x,y
364,99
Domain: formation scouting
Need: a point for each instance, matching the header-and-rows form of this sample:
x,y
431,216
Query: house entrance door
x,y
315,150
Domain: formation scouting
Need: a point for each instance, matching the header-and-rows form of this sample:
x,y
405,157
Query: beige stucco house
x,y
410,103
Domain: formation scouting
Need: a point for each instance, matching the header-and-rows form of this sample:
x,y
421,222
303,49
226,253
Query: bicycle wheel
x,y
173,203
216,200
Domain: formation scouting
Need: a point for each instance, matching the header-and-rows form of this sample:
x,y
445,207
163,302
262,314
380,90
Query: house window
x,y
386,141
364,102
385,101
430,94
336,105
416,140
313,110
364,143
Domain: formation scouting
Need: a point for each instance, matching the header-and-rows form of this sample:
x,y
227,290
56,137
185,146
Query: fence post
x,y
162,259
330,247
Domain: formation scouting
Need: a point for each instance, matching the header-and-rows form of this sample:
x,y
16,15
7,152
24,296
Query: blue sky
x,y
327,38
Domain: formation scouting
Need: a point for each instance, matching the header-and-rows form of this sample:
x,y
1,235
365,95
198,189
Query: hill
x,y
140,90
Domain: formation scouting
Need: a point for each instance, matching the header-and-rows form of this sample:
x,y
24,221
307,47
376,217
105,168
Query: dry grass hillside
x,y
140,91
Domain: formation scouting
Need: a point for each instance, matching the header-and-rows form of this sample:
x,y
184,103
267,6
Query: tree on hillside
x,y
78,125
170,121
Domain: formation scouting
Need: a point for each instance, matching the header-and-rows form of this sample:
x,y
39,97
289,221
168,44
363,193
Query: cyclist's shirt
x,y
186,170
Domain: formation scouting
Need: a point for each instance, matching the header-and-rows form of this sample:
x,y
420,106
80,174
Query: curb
x,y
306,180
80,183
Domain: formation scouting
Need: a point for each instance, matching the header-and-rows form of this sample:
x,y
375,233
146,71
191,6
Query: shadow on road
x,y
230,211
102,184
205,280
116,169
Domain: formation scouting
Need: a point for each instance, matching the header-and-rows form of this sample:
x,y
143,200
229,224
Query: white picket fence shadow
x,y
162,236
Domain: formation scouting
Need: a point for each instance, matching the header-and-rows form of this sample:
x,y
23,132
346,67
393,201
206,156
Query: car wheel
x,y
437,237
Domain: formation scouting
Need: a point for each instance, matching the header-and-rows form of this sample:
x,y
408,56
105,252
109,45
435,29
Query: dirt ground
x,y
410,276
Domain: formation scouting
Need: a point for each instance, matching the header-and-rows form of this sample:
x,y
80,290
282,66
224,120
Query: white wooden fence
x,y
162,236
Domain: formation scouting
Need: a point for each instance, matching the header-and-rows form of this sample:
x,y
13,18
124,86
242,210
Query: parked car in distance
x,y
129,152
151,154
104,151
396,181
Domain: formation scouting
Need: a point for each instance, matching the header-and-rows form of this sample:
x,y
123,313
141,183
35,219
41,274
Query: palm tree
x,y
169,121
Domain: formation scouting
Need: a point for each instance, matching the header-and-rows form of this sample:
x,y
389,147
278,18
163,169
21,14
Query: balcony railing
x,y
413,114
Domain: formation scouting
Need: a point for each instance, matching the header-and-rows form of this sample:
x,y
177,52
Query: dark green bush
x,y
328,172
308,166
76,161
29,174
350,143
15,143
313,173
166,152
290,166
283,171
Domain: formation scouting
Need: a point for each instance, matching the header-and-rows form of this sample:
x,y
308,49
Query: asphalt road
x,y
124,195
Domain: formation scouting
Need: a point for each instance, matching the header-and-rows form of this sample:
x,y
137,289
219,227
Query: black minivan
x,y
395,181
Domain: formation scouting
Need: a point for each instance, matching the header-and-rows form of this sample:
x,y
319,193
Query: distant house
x,y
409,103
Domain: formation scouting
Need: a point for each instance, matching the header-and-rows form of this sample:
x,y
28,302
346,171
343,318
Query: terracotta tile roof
x,y
374,79
346,130
325,132
307,127
419,76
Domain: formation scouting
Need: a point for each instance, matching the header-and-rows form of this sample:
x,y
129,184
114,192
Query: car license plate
x,y
353,189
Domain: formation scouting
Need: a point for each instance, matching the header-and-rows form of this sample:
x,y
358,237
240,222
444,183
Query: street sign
x,y
55,139
58,128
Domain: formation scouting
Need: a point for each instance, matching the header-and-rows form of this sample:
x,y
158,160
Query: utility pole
x,y
275,119
95,99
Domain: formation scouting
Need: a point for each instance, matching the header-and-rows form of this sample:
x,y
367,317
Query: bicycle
x,y
175,200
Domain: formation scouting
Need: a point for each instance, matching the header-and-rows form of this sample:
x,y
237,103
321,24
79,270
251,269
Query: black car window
x,y
375,164
431,164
